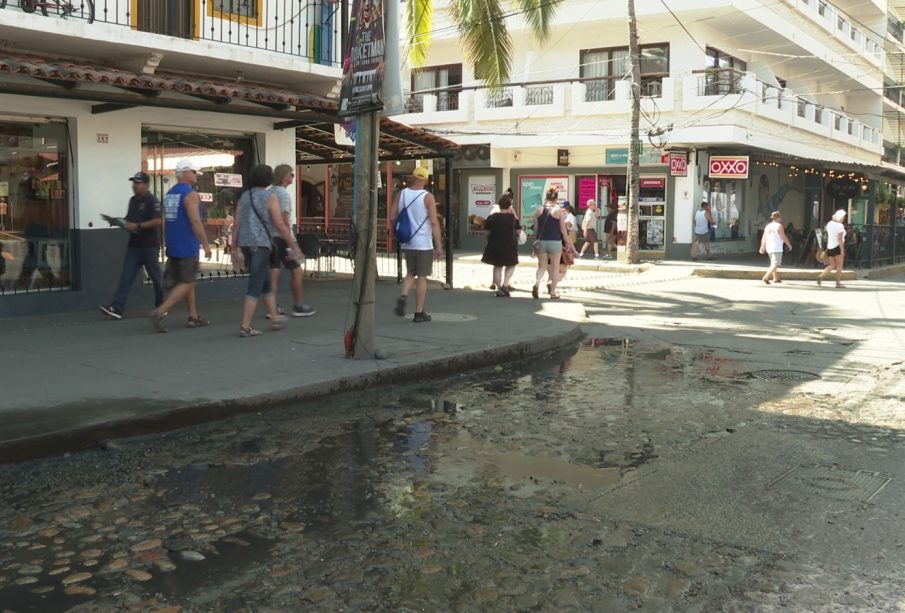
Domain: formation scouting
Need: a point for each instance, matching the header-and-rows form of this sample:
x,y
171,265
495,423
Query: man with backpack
x,y
417,229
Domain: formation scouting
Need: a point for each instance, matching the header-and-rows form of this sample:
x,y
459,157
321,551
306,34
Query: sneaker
x,y
157,322
303,310
280,311
421,317
111,311
596,256
197,322
400,306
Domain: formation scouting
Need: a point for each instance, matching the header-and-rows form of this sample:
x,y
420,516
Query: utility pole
x,y
631,240
365,277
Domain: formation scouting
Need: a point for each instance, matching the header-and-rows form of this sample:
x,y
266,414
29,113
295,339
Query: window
x,y
34,206
445,82
723,73
600,69
802,107
818,114
244,11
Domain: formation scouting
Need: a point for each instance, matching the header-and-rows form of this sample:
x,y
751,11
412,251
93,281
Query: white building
x,y
791,92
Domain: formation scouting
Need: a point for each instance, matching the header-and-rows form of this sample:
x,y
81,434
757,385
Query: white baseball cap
x,y
184,165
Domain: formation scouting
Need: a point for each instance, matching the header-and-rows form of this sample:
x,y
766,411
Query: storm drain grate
x,y
786,376
832,482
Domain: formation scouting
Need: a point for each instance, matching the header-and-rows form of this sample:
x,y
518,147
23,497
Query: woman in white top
x,y
835,247
772,243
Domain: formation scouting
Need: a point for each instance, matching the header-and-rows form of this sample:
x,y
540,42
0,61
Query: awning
x,y
114,89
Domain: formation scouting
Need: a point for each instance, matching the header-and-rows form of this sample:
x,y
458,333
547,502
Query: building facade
x,y
89,98
749,105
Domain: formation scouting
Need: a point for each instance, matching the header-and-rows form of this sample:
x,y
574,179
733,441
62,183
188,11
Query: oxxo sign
x,y
678,164
728,167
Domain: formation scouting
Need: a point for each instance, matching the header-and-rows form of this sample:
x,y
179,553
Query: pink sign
x,y
587,190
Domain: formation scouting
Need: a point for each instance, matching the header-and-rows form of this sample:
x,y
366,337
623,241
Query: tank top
x,y
412,200
548,227
700,223
181,240
773,241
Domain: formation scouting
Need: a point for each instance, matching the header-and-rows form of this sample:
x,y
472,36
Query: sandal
x,y
819,283
279,323
198,322
249,331
839,285
767,281
554,296
534,293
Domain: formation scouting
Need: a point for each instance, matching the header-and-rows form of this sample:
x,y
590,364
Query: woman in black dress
x,y
501,251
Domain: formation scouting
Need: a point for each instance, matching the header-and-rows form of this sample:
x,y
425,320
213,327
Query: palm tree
x,y
486,41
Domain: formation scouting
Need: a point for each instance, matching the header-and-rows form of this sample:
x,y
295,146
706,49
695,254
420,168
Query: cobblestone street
x,y
675,460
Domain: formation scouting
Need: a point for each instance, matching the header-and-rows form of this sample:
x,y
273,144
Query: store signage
x,y
363,64
729,166
533,189
206,196
562,157
678,164
843,188
226,179
587,190
103,138
650,182
617,156
481,193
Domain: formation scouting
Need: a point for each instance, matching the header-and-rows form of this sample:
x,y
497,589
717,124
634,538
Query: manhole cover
x,y
452,317
832,482
787,376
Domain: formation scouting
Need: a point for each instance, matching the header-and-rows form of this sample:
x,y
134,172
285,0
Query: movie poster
x,y
363,64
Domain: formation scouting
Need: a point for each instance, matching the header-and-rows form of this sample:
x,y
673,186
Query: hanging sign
x,y
364,61
227,179
729,166
678,164
562,157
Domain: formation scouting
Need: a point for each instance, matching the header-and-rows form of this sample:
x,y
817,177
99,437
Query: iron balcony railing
x,y
308,29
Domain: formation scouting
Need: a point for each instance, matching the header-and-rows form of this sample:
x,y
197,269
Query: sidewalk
x,y
71,381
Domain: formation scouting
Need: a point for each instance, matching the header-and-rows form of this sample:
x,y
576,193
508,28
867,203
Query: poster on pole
x,y
364,61
481,194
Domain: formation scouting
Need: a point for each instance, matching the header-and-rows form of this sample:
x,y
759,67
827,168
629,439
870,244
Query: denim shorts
x,y
257,259
551,247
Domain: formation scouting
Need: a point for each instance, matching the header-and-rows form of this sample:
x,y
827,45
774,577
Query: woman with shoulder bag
x,y
258,217
550,235
502,230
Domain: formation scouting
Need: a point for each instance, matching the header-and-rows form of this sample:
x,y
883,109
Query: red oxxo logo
x,y
729,167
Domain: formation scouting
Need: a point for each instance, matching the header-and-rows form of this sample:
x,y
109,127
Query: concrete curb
x,y
54,443
756,275
885,271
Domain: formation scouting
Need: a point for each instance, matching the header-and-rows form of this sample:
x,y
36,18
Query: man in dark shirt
x,y
609,228
143,221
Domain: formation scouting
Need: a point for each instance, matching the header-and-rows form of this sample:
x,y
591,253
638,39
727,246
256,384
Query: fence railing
x,y
719,82
301,28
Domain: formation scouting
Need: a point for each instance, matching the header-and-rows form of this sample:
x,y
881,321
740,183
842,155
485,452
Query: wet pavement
x,y
618,475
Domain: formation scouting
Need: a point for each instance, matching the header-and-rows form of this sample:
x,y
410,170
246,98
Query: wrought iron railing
x,y
500,99
720,82
301,28
539,95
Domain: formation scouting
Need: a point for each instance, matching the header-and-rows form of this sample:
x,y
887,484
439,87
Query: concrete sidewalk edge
x,y
77,439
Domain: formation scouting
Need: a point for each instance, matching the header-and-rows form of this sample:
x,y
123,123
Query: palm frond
x,y
485,39
419,19
539,15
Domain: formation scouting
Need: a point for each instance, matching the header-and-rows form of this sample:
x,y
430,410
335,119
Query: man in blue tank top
x,y
184,235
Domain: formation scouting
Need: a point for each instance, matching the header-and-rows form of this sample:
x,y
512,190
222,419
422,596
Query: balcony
x,y
836,22
718,92
209,36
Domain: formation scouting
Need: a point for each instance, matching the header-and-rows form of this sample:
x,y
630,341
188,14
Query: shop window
x,y
600,69
446,80
725,197
34,207
225,160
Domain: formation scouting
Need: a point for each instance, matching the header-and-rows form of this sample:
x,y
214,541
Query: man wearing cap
x,y
424,246
143,222
184,236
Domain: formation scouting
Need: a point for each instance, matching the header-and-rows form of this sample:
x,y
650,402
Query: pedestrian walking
x,y
835,247
549,236
772,244
609,228
501,251
703,221
184,235
589,227
571,223
143,221
283,176
423,247
258,219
